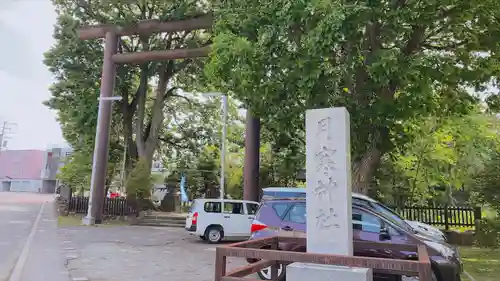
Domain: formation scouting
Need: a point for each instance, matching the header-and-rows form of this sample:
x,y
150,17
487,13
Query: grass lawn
x,y
482,264
76,220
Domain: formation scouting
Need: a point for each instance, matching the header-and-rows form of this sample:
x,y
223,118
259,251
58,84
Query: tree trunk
x,y
147,140
141,113
364,169
128,110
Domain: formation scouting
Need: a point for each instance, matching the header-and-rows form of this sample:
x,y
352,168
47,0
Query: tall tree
x,y
488,184
76,64
385,61
446,154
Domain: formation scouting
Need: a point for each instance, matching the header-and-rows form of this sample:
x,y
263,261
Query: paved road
x,y
18,212
107,253
18,217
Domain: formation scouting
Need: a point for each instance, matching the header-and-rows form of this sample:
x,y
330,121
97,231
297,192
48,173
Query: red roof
x,y
22,164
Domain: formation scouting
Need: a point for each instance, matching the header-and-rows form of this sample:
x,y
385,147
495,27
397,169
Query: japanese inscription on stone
x,y
329,209
325,161
326,217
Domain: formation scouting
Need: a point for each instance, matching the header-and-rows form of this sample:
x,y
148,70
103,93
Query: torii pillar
x,y
251,187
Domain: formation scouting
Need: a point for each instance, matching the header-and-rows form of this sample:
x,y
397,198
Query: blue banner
x,y
184,197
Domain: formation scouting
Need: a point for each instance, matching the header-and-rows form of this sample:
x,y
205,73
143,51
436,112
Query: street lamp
x,y
223,140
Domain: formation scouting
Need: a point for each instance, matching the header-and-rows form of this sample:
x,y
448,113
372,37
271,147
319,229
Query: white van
x,y
215,219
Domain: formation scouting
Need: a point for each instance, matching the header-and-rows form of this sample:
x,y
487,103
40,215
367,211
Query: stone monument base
x,y
298,271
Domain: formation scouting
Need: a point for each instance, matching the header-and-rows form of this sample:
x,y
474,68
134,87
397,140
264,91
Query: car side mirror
x,y
384,234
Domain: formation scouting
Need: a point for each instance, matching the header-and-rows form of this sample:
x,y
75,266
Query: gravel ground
x,y
136,253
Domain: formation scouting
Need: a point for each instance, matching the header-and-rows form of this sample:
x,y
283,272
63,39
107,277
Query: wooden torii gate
x,y
112,33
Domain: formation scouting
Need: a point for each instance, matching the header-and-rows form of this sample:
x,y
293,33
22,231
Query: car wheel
x,y
213,234
265,273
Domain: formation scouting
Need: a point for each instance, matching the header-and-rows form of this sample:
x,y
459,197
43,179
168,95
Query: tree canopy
x,y
146,90
387,62
404,69
443,157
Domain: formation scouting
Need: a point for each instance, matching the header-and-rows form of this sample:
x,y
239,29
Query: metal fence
x,y
443,216
112,206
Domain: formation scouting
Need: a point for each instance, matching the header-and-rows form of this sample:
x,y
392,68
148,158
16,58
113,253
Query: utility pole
x,y
4,125
124,166
5,131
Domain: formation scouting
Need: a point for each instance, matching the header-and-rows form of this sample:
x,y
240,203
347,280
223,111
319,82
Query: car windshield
x,y
390,214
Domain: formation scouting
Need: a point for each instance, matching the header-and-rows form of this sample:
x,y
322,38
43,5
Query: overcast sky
x,y
26,28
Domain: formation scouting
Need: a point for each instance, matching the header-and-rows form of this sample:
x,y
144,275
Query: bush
x,y
488,233
139,185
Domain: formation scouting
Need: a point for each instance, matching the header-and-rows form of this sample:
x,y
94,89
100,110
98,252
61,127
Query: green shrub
x,y
139,185
488,233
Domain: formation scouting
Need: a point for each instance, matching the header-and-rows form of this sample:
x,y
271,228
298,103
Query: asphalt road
x,y
18,213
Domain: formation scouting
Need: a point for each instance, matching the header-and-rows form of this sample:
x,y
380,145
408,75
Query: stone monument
x,y
328,198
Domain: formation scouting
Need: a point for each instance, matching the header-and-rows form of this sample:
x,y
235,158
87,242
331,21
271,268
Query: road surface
x,y
28,234
139,253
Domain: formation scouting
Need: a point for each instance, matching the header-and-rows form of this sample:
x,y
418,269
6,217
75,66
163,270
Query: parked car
x,y
367,202
429,229
275,216
215,219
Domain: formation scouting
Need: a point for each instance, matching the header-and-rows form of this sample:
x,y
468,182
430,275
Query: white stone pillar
x,y
329,198
328,177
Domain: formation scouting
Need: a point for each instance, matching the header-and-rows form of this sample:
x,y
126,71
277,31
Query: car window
x,y
280,208
212,207
393,216
252,208
297,214
384,211
392,231
233,208
365,222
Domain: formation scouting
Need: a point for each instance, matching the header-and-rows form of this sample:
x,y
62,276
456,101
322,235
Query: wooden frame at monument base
x,y
272,257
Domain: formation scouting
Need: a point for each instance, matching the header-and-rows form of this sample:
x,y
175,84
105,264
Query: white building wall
x,y
26,185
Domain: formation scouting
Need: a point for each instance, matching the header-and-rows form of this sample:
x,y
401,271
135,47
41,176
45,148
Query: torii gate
x,y
112,33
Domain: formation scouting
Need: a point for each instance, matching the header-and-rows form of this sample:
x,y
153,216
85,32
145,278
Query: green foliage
x,y
76,65
139,183
446,153
487,189
203,173
76,172
387,62
401,68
